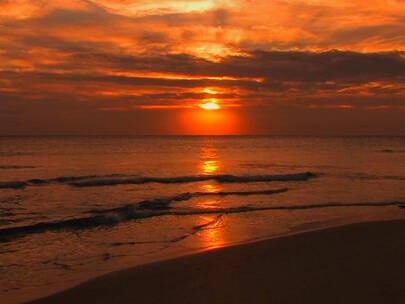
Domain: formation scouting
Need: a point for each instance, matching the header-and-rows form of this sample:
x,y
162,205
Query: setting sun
x,y
210,105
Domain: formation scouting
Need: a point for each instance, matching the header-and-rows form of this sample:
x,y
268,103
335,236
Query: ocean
x,y
72,208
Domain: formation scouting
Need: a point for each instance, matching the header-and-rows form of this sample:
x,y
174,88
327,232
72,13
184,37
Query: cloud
x,y
302,55
261,77
341,66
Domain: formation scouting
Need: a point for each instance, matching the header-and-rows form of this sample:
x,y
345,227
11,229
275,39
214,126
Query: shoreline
x,y
355,263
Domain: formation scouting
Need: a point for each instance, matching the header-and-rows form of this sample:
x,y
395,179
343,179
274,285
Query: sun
x,y
210,105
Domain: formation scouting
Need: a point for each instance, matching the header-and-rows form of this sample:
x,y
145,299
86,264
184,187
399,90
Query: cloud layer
x,y
138,66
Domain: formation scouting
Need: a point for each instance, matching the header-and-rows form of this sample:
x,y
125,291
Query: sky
x,y
130,67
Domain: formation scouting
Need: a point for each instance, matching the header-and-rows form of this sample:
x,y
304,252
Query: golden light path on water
x,y
212,234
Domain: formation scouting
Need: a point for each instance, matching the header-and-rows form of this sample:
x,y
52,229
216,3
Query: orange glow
x,y
221,122
211,51
210,188
210,91
209,166
210,105
209,160
200,67
212,236
163,107
179,76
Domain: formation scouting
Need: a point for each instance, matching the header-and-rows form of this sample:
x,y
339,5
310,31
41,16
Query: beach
x,y
358,263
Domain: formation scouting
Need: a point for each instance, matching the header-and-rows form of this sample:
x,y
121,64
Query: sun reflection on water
x,y
211,236
210,188
209,167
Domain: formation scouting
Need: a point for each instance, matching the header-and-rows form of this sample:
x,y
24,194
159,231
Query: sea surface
x,y
72,208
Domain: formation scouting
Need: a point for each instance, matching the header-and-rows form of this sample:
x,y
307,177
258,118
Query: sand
x,y
360,263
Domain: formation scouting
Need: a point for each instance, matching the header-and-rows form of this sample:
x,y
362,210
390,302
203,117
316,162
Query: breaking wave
x,y
13,185
161,207
93,182
105,217
118,179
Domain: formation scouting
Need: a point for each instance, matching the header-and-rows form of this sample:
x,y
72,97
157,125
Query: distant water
x,y
72,208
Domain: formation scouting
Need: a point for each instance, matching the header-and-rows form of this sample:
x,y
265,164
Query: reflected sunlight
x,y
211,235
209,167
210,188
208,204
210,164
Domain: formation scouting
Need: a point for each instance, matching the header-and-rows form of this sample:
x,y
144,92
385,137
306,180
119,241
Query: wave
x,y
242,193
119,179
7,234
15,167
164,203
106,217
161,207
363,176
243,209
13,185
94,182
43,181
391,151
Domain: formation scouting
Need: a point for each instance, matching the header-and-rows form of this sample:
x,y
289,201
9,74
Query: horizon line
x,y
202,135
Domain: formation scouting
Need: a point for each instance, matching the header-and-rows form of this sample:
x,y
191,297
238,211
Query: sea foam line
x,y
161,207
105,217
116,179
225,178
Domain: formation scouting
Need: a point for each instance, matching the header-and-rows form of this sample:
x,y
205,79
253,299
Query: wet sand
x,y
360,263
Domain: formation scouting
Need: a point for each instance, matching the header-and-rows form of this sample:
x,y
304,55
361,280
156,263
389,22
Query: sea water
x,y
72,208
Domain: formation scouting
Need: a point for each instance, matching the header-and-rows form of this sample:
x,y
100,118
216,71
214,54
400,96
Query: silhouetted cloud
x,y
83,56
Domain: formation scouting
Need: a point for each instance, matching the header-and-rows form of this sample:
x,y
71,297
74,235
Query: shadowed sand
x,y
361,263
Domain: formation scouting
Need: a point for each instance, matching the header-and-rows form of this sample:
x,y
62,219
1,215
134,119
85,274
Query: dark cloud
x,y
288,72
153,37
77,58
282,66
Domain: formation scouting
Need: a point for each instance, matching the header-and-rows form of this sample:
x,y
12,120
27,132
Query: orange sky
x,y
144,67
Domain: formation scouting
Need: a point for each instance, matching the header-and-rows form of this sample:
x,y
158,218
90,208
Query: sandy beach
x,y
360,263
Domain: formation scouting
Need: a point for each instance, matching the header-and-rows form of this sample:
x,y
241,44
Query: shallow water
x,y
72,208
